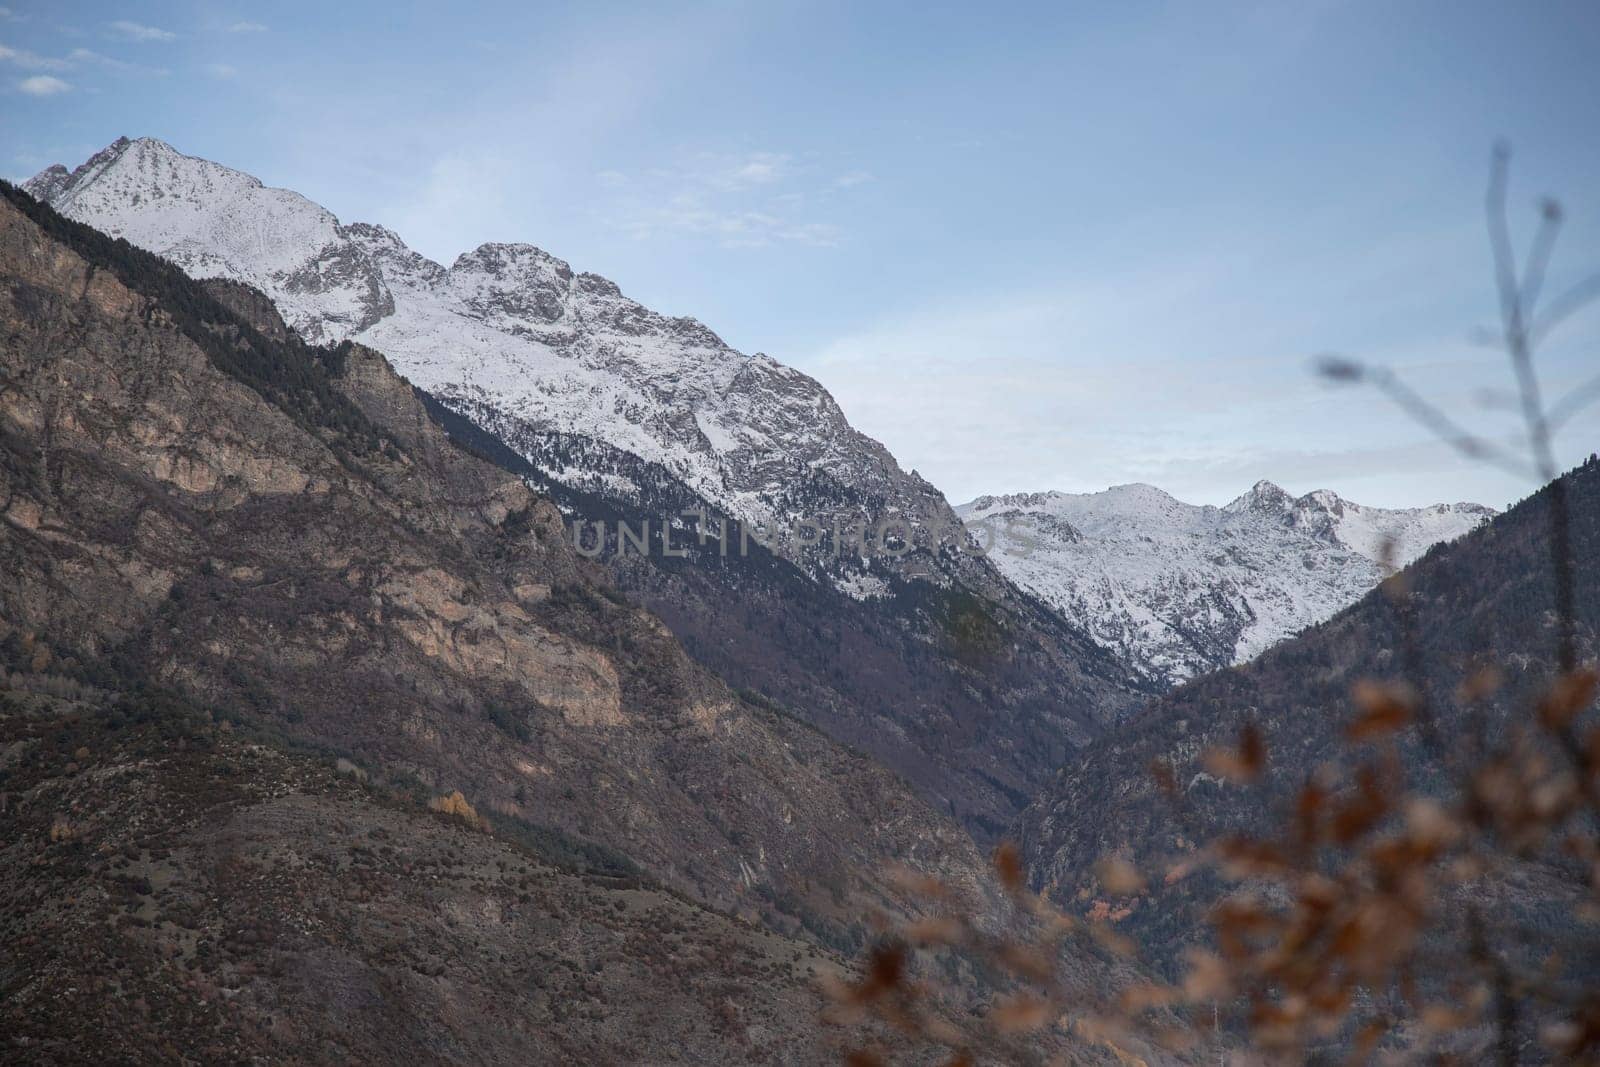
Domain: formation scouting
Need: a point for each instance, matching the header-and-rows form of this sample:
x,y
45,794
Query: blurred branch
x,y
1452,433
1544,243
1565,306
1513,315
1573,402
1505,260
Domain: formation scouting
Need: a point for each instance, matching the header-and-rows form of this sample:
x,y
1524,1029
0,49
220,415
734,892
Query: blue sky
x,y
1028,246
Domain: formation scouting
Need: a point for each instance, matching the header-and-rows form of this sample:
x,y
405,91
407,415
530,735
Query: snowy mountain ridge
x,y
931,661
511,328
1177,589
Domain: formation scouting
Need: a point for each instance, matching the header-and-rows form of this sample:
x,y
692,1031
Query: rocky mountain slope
x,y
1176,590
1483,599
929,659
278,534
179,893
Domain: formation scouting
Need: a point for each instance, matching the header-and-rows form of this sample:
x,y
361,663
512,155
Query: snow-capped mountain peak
x,y
534,347
1264,497
1391,537
1178,589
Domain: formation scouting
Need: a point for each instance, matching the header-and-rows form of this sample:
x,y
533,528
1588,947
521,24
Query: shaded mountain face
x,y
1177,590
1485,598
282,536
929,659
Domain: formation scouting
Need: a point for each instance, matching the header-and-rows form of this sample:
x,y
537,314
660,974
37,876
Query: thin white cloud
x,y
855,177
221,70
247,27
742,200
8,15
761,168
689,214
31,60
43,85
86,57
136,31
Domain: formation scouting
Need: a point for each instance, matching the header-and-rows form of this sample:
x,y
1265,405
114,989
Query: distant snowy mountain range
x,y
1177,590
600,394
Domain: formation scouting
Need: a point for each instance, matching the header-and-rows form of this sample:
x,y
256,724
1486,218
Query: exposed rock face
x,y
1177,590
932,661
283,534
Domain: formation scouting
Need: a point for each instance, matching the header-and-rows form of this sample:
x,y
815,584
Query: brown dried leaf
x,y
1252,748
1179,870
1119,877
1111,941
1020,1013
1206,977
1165,780
1138,998
934,930
886,964
1242,764
1245,857
1308,812
1363,811
1367,1039
1569,696
1385,708
1175,1039
1480,685
1008,866
1033,964
1441,1018
942,1030
1429,823
916,883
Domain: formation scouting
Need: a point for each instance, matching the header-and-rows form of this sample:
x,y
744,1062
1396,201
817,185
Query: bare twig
x,y
1445,428
1544,243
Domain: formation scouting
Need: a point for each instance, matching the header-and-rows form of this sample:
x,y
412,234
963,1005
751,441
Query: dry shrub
x,y
454,804
1366,921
